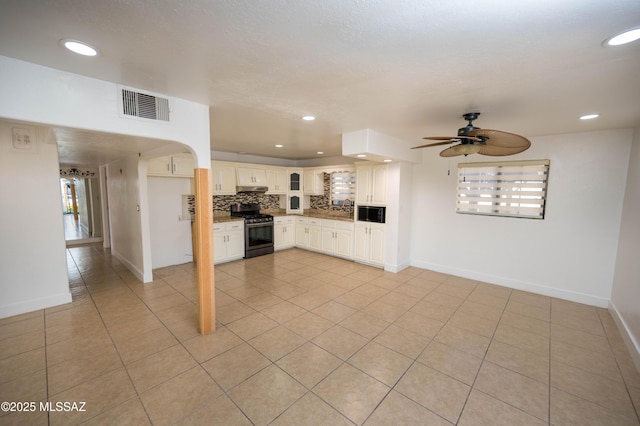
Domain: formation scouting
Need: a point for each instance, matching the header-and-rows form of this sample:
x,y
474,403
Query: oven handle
x,y
258,225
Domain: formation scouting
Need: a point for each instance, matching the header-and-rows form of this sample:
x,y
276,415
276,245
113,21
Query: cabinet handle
x,y
174,167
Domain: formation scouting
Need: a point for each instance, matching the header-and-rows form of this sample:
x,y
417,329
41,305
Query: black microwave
x,y
371,214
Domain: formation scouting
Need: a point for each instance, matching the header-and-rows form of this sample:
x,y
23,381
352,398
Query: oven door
x,y
258,238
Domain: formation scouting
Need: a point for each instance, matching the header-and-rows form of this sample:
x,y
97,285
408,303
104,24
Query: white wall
x,y
125,211
33,269
570,254
170,235
625,297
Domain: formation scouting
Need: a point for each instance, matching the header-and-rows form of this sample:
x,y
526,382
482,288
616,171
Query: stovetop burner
x,y
250,212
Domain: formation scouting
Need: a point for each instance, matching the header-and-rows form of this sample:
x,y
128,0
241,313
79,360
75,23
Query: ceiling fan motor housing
x,y
464,131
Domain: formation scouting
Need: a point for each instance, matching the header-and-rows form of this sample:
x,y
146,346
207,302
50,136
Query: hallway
x,y
305,338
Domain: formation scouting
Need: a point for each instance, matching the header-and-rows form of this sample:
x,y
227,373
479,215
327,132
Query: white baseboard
x,y
517,284
397,268
628,337
131,267
34,304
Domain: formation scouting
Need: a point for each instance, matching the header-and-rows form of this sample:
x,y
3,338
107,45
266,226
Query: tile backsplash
x,y
221,203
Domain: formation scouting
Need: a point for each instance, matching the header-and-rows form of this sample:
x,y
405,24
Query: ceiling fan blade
x,y
497,151
449,152
434,144
454,138
502,139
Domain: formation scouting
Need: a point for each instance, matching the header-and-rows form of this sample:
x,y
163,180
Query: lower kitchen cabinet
x,y
284,232
228,241
369,243
337,237
309,233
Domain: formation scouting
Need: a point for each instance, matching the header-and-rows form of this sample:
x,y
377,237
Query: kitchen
x,y
315,208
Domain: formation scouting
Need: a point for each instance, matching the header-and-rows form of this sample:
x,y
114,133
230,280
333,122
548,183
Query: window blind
x,y
515,188
343,186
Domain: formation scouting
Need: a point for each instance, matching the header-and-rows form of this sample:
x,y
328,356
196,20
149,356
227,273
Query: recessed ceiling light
x,y
589,117
623,38
308,118
279,146
79,47
320,152
361,155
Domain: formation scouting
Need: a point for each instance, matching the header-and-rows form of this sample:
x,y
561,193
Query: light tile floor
x,y
307,339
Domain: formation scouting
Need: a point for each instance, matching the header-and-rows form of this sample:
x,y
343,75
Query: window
x,y
506,188
343,186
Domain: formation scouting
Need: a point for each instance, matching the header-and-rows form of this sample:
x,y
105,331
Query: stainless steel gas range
x,y
258,229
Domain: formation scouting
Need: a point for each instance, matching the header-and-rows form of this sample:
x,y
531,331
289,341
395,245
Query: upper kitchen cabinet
x,y
179,165
251,177
223,179
371,184
276,181
313,182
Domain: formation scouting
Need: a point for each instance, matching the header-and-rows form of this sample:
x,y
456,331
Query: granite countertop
x,y
320,214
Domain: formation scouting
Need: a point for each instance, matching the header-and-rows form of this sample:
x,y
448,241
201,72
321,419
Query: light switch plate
x,y
23,139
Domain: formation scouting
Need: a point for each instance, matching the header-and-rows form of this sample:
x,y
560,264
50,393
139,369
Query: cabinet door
x,y
278,235
235,243
361,243
276,181
312,183
289,235
328,240
363,181
302,235
344,246
219,243
250,177
183,165
376,250
223,180
160,166
315,237
295,180
379,184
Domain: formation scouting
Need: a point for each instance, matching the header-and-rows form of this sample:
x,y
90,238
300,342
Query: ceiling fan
x,y
472,140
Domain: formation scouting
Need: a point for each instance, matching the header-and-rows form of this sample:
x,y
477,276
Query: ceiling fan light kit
x,y
474,140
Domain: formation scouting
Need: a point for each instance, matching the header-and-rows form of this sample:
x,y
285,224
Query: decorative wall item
x,y
75,172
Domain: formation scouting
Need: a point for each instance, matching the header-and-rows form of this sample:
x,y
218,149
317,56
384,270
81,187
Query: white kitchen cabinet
x,y
337,237
302,232
251,176
369,243
315,234
313,181
276,181
223,179
371,184
179,165
228,241
284,232
309,233
294,191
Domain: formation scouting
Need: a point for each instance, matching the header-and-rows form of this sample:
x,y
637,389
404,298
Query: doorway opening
x,y
81,210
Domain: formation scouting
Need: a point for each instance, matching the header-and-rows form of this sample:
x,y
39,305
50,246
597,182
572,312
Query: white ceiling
x,y
408,68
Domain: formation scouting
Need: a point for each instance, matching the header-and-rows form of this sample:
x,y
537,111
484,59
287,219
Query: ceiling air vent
x,y
141,105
